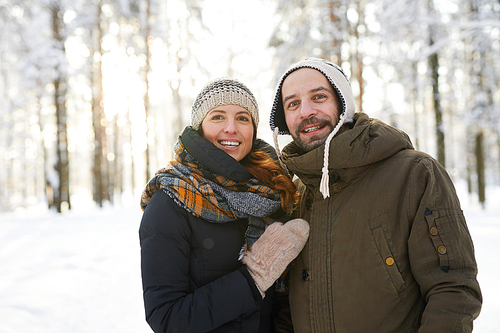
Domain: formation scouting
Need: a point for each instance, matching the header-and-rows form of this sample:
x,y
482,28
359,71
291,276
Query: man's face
x,y
311,107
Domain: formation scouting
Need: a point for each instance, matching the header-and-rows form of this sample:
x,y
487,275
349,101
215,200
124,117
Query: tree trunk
x,y
43,151
117,174
436,98
434,65
480,166
131,147
6,137
358,58
337,44
469,177
483,104
414,101
498,149
176,119
99,168
61,191
148,41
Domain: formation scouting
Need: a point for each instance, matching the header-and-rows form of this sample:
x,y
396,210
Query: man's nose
x,y
307,109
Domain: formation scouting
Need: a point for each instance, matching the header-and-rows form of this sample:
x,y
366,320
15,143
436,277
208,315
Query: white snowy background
x,y
80,271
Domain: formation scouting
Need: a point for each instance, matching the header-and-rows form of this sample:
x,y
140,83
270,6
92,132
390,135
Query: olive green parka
x,y
389,250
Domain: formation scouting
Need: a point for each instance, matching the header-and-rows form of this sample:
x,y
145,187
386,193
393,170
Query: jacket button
x,y
389,261
433,231
304,274
335,176
442,250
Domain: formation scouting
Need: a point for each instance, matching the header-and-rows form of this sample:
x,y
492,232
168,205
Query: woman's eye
x,y
217,117
243,118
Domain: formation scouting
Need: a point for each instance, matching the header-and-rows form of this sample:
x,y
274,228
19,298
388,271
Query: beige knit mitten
x,y
274,250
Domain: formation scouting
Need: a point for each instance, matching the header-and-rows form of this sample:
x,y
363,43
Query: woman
x,y
216,203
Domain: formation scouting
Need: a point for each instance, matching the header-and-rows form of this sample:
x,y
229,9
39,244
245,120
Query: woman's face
x,y
230,128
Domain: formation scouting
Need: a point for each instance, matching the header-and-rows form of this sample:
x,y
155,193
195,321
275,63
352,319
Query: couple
x,y
225,246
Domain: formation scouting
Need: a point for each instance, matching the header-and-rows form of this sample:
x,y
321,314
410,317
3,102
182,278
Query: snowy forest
x,y
95,93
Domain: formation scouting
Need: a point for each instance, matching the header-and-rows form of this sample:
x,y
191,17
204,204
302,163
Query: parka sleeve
x,y
441,252
165,251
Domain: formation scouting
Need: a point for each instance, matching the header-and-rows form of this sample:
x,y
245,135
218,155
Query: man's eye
x,y
319,96
292,104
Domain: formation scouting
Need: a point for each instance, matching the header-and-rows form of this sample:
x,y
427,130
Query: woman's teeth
x,y
229,143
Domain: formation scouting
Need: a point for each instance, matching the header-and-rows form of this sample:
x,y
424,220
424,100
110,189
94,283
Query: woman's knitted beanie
x,y
223,91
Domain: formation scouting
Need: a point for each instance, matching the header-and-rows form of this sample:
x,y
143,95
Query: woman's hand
x,y
274,250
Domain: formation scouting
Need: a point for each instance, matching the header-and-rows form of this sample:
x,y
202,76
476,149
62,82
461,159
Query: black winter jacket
x,y
192,279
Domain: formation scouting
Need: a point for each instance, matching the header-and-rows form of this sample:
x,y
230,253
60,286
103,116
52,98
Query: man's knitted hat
x,y
340,84
223,91
335,76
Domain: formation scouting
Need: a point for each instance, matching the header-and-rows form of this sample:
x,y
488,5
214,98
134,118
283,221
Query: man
x,y
389,249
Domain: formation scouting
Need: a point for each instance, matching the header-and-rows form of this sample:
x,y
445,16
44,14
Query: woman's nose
x,y
230,127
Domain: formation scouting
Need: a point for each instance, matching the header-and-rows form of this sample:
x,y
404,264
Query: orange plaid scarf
x,y
214,197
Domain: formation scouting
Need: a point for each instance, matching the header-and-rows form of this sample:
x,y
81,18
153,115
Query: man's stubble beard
x,y
314,141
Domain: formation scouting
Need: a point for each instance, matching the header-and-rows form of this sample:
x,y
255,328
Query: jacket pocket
x,y
387,257
451,239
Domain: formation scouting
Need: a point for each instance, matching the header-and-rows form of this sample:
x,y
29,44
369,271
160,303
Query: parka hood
x,y
368,142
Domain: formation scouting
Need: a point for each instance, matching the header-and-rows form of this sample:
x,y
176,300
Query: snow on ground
x,y
77,272
484,226
80,271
